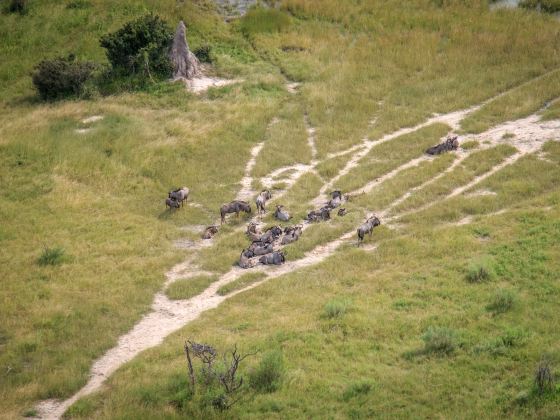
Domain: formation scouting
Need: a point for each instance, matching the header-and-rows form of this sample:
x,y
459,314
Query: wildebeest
x,y
171,203
253,232
276,258
317,215
291,234
282,214
260,248
209,232
245,260
180,195
451,143
271,234
342,212
261,200
367,227
234,207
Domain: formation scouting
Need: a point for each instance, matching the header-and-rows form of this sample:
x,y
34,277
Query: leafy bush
x,y
439,340
268,375
62,77
18,6
203,53
502,302
52,256
335,308
480,270
140,47
548,6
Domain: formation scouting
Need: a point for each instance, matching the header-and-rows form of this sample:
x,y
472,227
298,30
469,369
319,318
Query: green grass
x,y
240,283
99,195
517,103
390,155
188,288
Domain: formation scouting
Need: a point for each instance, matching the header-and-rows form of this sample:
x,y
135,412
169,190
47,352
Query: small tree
x,y
62,77
140,47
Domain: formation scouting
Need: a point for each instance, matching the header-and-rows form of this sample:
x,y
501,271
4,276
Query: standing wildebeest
x,y
451,143
276,258
180,195
282,214
234,207
367,227
209,232
171,203
261,200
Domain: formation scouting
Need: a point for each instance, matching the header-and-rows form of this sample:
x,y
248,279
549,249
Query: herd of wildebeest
x,y
265,247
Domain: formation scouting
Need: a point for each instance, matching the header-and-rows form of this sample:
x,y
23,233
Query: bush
x,y
140,46
480,270
502,302
438,340
52,256
548,6
62,77
268,375
18,6
203,53
335,308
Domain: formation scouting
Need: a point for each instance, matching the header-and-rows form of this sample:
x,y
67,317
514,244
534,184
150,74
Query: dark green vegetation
x,y
397,331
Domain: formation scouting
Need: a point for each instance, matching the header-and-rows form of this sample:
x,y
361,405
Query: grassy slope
x,y
358,61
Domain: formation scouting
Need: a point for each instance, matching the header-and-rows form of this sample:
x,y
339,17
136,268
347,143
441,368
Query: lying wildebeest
x,y
342,212
171,203
318,215
180,195
282,214
451,143
276,258
209,232
367,227
260,248
291,234
253,232
261,200
271,234
245,260
234,207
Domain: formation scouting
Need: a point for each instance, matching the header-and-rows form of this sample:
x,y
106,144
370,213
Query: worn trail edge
x,y
168,316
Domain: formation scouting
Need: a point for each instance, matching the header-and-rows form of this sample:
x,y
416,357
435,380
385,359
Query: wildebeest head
x,y
336,194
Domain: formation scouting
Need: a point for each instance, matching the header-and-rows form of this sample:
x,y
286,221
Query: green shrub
x,y
52,256
140,47
439,340
203,53
62,77
502,302
336,308
18,6
267,376
259,20
548,6
480,270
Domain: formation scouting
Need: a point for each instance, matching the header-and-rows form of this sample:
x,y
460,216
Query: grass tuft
x,y
439,341
480,270
52,256
503,301
240,283
267,376
356,389
336,308
187,288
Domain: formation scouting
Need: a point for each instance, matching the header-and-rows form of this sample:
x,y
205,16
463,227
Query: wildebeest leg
x,y
236,214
